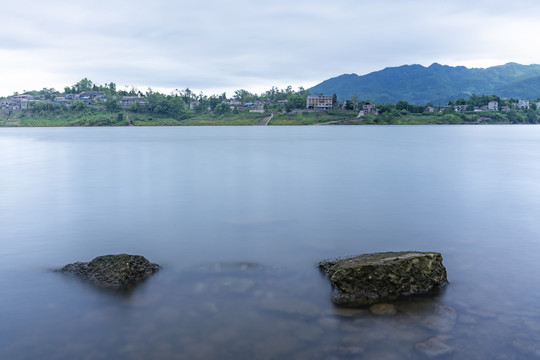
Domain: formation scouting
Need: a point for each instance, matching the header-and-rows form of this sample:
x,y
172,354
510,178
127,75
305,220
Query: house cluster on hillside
x,y
16,102
320,102
252,106
492,106
21,102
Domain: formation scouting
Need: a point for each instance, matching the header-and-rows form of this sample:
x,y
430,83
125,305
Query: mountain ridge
x,y
436,84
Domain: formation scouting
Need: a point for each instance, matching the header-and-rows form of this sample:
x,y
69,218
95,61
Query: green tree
x,y
385,108
213,101
222,108
402,105
42,107
77,105
451,119
112,104
295,101
187,95
136,107
531,116
83,85
157,103
176,108
448,111
515,117
244,96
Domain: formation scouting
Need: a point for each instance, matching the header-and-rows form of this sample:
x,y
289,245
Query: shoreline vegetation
x,y
245,118
87,104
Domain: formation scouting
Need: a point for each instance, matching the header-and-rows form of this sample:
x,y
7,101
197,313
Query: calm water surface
x,y
239,217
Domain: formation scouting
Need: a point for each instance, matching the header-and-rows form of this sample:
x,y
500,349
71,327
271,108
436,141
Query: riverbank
x,y
97,117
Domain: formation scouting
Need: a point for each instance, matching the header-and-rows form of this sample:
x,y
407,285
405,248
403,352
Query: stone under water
x,y
117,272
383,277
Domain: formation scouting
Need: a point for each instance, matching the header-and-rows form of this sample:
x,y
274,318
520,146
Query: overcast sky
x,y
216,46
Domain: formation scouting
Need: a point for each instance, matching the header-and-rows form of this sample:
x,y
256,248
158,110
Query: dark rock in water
x,y
117,272
381,277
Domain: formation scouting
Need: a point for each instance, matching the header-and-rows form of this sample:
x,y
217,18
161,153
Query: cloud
x,y
253,45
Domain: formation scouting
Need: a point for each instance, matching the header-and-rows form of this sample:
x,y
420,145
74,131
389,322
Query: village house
x,y
481,108
60,100
368,108
255,105
461,108
522,104
22,97
91,95
493,106
429,109
127,101
5,103
234,104
320,102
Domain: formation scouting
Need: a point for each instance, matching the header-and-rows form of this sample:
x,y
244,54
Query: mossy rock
x,y
116,272
382,277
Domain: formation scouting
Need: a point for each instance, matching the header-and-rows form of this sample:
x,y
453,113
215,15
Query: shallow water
x,y
239,217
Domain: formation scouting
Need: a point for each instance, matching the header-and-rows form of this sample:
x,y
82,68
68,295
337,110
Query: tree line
x,y
176,104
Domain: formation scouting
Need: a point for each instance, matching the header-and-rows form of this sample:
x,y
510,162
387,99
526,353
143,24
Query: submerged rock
x,y
382,277
117,272
434,348
443,319
383,309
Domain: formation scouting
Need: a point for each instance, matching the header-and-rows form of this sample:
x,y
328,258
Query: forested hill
x,y
436,84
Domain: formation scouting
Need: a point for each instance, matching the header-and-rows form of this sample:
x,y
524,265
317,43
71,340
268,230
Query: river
x,y
239,217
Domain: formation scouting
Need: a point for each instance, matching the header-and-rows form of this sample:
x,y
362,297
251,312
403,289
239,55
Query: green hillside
x,y
436,84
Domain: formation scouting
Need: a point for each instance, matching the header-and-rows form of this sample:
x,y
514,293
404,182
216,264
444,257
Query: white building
x,y
522,104
493,106
127,101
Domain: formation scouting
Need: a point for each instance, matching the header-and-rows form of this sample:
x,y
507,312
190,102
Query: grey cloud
x,y
218,44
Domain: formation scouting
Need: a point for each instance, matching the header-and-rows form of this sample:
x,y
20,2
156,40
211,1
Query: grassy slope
x,y
93,117
312,118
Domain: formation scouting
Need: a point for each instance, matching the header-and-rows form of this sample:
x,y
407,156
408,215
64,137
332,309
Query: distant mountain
x,y
435,84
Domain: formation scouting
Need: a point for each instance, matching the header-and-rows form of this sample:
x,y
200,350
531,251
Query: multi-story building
x,y
127,101
522,104
320,102
493,106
